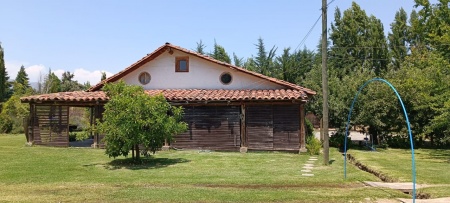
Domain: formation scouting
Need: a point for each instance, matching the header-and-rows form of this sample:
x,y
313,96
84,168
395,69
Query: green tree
x,y
132,118
264,62
68,84
239,62
51,84
5,84
21,84
399,38
433,25
22,77
357,40
200,48
220,54
103,76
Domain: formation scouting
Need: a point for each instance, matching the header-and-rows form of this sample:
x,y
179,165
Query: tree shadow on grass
x,y
144,163
441,154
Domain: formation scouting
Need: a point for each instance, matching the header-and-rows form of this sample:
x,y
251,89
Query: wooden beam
x,y
243,127
302,129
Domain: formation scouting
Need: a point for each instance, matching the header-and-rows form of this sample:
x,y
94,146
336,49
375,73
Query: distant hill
x,y
34,85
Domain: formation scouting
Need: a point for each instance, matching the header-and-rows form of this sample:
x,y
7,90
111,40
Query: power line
x,y
312,28
309,32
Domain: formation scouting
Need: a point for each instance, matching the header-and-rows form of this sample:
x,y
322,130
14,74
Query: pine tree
x,y
22,77
265,61
239,62
200,48
103,76
68,84
3,76
220,54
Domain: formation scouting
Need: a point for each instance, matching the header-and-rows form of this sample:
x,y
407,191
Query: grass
x,y
432,167
48,174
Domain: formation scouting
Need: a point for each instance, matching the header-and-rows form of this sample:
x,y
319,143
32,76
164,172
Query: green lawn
x,y
432,167
47,174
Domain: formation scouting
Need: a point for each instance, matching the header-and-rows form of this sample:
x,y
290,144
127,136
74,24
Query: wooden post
x,y
166,146
302,129
91,119
30,127
244,143
94,115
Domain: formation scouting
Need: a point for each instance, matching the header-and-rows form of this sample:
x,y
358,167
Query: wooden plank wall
x,y
273,127
51,125
286,127
210,127
259,124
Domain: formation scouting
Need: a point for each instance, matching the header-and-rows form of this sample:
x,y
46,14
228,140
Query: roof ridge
x,y
162,48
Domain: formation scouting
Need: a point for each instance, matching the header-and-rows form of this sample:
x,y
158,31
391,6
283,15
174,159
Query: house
x,y
226,107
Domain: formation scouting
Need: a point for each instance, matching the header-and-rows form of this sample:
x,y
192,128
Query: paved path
x,y
309,166
406,187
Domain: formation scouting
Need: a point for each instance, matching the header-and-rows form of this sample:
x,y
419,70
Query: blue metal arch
x,y
407,123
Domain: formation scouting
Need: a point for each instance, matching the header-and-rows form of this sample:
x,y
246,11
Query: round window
x,y
144,78
226,78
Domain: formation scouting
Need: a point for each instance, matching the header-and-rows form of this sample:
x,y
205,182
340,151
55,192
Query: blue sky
x,y
86,37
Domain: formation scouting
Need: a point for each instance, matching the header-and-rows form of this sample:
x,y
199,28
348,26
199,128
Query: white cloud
x,y
82,75
12,67
39,70
35,72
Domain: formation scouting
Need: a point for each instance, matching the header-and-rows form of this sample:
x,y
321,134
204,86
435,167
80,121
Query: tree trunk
x,y
132,152
138,154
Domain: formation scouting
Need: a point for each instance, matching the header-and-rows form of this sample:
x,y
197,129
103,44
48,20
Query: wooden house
x,y
226,107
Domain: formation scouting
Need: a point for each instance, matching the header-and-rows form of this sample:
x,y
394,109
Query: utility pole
x,y
326,147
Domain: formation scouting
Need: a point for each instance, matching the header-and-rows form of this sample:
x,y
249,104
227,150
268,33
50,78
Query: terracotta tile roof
x,y
77,96
178,95
163,48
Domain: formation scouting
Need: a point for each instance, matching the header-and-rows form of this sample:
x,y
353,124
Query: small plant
x,y
338,140
313,145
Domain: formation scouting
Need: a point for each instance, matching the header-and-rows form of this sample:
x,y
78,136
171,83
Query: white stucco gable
x,y
203,74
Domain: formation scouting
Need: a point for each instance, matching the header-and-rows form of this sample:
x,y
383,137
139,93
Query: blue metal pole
x,y
407,123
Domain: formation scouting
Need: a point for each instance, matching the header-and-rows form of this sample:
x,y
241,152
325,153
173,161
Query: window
x,y
182,64
144,78
226,78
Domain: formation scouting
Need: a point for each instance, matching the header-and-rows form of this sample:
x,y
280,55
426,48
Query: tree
x,y
239,62
22,77
357,40
51,84
433,25
132,118
103,76
200,48
265,61
399,38
5,85
68,84
220,54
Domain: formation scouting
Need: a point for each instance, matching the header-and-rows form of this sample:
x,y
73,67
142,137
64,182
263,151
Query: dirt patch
x,y
261,186
383,177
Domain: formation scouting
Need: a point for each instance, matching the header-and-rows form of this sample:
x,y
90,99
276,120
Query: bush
x,y
6,124
338,140
313,145
309,128
79,135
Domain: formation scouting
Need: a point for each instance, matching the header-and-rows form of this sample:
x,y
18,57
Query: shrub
x,y
309,128
6,124
313,145
338,140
